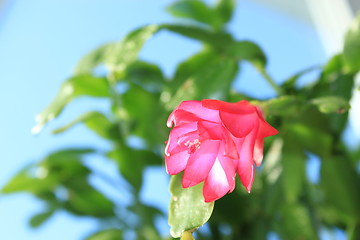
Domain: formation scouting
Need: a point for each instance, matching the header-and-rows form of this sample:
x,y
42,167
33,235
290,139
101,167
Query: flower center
x,y
192,145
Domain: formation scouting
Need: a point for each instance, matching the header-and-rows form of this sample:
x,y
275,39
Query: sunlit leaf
x,y
225,9
352,46
284,105
121,54
188,210
82,85
146,75
28,181
93,59
331,104
217,78
108,234
195,10
96,122
218,40
247,51
190,66
38,219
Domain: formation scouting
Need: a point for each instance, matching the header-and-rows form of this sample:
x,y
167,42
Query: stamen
x,y
193,146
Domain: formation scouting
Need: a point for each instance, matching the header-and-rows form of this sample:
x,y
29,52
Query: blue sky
x,y
42,40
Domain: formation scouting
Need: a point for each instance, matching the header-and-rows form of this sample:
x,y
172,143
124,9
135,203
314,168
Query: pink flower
x,y
212,140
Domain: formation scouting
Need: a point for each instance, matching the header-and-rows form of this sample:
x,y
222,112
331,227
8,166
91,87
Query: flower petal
x,y
216,184
176,163
200,163
176,133
241,107
194,109
246,169
265,129
239,124
210,130
258,151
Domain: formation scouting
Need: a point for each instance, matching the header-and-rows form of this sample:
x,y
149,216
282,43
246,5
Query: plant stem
x,y
187,236
272,83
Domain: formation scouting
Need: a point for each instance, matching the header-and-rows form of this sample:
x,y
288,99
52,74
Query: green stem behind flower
x,y
267,77
187,236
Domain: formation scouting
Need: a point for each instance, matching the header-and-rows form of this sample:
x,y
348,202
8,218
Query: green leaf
x,y
304,136
93,59
195,10
148,76
38,219
144,114
281,106
217,40
225,9
217,78
188,210
190,66
331,104
132,163
26,181
82,198
247,51
296,223
289,84
293,174
96,122
108,234
82,85
352,46
125,52
340,183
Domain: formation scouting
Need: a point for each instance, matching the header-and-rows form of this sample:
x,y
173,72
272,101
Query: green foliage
x,y
194,211
352,46
310,119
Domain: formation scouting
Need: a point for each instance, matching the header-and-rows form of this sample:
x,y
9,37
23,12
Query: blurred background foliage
x,y
284,201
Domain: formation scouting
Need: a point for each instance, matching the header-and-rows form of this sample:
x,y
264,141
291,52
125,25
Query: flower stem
x,y
269,80
187,236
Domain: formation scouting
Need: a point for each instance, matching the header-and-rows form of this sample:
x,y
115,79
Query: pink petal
x,y
231,148
239,124
210,130
216,184
176,133
247,175
266,129
176,163
241,107
246,169
183,117
258,151
193,108
200,163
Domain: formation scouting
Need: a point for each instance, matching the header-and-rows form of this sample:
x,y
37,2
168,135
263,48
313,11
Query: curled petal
x,y
176,133
200,163
193,109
